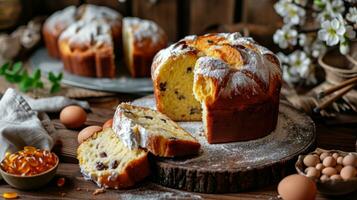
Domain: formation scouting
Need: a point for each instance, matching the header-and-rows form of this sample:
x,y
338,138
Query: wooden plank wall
x,y
177,17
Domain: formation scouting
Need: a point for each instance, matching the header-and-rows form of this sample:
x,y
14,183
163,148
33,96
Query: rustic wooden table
x,y
328,137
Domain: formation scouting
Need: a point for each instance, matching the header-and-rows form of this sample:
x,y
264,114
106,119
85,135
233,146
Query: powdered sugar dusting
x,y
93,12
61,19
238,81
254,56
82,32
211,67
293,134
143,29
153,192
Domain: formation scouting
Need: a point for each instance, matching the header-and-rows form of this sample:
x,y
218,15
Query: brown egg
x,y
320,166
108,123
348,172
73,116
312,172
336,177
297,187
87,133
329,161
350,159
339,160
335,155
324,155
329,171
311,160
324,178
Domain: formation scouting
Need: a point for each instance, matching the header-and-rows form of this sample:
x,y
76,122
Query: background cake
x,y
142,39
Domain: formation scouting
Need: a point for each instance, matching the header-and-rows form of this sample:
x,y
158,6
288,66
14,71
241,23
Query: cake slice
x,y
143,127
104,159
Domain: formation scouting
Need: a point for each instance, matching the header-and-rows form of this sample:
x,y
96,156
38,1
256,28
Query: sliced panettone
x,y
143,127
104,159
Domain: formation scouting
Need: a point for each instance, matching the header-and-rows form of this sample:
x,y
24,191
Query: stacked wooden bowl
x,y
339,67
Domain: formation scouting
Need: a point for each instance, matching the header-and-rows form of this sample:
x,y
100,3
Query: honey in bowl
x,y
28,162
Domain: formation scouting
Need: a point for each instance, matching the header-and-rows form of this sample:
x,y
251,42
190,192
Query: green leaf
x,y
38,84
51,77
37,74
60,76
4,68
17,67
55,88
25,84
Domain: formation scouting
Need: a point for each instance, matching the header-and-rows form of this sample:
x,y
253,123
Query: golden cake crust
x,y
234,77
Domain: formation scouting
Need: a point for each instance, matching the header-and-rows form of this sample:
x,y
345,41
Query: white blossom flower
x,y
289,77
301,2
344,46
336,7
318,48
282,57
299,63
352,15
350,33
331,32
291,13
302,39
329,9
285,36
281,7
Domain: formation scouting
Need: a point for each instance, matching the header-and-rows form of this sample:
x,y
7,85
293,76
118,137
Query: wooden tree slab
x,y
233,167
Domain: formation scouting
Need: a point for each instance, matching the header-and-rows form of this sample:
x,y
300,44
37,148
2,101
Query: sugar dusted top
x,y
61,19
226,55
83,33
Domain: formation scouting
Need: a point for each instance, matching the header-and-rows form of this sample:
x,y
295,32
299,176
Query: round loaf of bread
x,y
234,81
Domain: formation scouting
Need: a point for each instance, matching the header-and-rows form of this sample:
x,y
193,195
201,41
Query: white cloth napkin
x,y
25,123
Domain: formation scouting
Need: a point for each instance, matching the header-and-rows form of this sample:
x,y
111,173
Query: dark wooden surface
x,y
329,137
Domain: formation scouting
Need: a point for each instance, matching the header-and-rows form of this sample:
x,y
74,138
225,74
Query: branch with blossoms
x,y
310,27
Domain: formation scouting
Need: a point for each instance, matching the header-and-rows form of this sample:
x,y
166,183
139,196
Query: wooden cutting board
x,y
233,167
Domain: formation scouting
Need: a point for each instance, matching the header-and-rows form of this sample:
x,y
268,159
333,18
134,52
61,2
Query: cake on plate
x,y
229,82
62,19
142,39
87,49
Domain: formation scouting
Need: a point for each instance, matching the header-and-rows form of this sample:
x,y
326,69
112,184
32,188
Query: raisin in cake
x,y
235,81
104,159
142,127
142,39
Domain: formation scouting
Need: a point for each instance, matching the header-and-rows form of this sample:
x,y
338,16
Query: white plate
x,y
123,83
